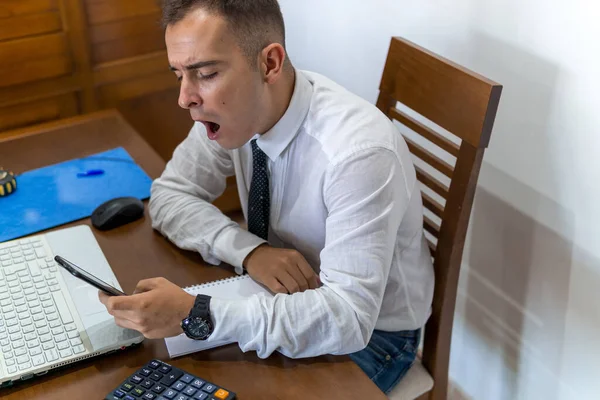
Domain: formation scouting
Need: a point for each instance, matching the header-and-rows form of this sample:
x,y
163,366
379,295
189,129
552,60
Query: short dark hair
x,y
255,23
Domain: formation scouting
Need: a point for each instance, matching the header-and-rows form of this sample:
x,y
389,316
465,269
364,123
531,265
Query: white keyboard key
x,y
27,285
5,257
14,284
8,354
52,317
26,322
16,336
35,351
4,295
47,345
8,308
60,338
63,309
15,293
4,342
25,366
22,308
4,251
11,279
70,327
33,343
5,302
31,297
25,315
10,362
63,345
53,270
43,330
20,351
41,323
45,297
40,285
28,329
52,281
54,324
45,338
12,369
30,258
75,342
65,353
49,259
39,317
28,252
51,355
78,349
24,242
36,310
38,360
73,334
6,349
47,303
18,260
22,359
12,322
17,344
43,290
7,263
54,288
19,302
37,279
40,252
57,330
37,244
34,303
34,268
30,336
10,315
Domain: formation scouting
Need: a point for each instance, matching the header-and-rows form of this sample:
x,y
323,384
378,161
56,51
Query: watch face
x,y
197,328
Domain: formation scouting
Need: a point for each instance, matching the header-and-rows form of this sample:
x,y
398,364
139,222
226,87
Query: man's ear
x,y
272,60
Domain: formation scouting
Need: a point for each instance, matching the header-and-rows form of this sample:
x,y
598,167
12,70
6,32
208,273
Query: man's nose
x,y
188,97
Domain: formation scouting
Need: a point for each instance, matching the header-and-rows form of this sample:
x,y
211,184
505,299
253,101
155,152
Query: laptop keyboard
x,y
36,326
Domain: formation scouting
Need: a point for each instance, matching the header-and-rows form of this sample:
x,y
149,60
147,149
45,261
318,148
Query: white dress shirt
x,y
343,193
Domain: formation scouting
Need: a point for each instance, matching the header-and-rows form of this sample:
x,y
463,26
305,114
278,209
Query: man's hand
x,y
155,309
281,270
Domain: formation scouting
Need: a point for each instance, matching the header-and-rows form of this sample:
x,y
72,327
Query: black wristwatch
x,y
198,325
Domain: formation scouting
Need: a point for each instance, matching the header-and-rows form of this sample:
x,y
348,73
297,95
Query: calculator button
x,y
221,394
156,376
118,393
171,377
126,387
169,394
187,378
145,371
182,397
149,396
200,396
198,383
128,397
138,391
154,364
190,390
164,369
158,389
147,384
209,388
179,386
136,379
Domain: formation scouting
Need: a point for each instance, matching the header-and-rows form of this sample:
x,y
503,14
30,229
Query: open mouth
x,y
212,127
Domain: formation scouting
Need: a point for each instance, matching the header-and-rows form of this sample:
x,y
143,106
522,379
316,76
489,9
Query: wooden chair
x,y
463,103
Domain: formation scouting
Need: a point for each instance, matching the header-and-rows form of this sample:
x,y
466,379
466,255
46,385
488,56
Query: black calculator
x,y
160,381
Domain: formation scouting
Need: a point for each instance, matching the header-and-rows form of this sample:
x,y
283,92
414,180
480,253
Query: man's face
x,y
218,85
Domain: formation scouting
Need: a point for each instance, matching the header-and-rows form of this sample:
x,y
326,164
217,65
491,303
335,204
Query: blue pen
x,y
90,172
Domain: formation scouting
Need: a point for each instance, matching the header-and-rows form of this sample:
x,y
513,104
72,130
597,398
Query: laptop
x,y
49,318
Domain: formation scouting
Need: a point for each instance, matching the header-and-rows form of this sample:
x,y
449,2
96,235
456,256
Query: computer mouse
x,y
117,212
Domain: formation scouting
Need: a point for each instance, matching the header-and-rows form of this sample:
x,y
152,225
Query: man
x,y
328,187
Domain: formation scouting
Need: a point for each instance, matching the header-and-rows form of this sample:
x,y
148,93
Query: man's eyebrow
x,y
200,64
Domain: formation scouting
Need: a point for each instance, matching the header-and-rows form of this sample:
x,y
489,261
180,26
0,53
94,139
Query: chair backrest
x,y
464,104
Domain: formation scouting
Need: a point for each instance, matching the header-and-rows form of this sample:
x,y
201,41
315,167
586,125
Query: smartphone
x,y
87,277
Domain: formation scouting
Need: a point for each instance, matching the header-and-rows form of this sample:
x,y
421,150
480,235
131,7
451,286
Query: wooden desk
x,y
136,252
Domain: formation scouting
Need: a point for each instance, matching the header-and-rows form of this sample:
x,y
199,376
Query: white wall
x,y
528,315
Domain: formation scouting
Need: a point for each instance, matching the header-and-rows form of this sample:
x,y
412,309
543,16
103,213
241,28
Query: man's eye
x,y
179,78
208,77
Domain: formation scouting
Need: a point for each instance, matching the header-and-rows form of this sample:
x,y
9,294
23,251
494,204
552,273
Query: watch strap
x,y
201,307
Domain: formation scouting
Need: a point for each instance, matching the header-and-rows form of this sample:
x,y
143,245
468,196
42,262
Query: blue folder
x,y
56,195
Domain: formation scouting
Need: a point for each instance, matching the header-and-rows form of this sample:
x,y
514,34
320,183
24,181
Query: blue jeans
x,y
388,357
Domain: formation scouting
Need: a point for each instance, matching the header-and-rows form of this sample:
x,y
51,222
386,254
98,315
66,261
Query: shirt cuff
x,y
229,317
233,245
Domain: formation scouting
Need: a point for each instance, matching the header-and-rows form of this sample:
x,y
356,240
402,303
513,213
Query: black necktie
x,y
259,197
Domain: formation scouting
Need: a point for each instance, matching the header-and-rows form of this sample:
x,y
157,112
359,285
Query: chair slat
x,y
431,227
432,205
432,247
430,158
424,131
431,182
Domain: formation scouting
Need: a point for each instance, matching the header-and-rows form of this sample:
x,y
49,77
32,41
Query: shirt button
x,y
388,357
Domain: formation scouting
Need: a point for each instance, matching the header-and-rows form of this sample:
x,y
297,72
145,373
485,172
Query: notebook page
x,y
235,288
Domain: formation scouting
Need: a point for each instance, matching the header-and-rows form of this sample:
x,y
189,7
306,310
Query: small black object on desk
x,y
117,212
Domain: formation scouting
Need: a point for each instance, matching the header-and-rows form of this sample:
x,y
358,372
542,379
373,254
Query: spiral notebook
x,y
235,288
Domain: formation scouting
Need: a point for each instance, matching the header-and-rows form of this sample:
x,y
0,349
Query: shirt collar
x,y
275,140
